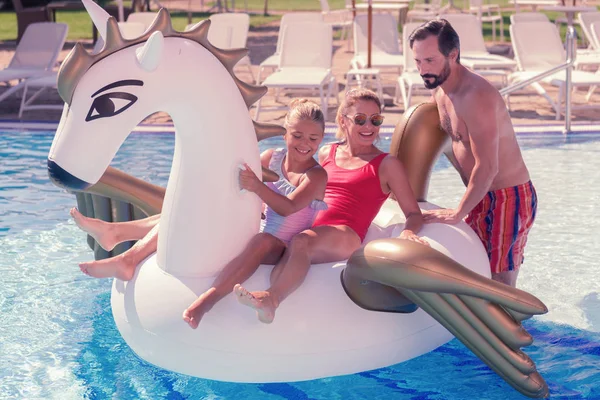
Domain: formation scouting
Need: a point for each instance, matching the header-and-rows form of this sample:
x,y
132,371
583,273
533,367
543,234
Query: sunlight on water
x,y
58,339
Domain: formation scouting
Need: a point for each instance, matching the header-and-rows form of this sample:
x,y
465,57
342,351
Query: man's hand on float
x,y
443,215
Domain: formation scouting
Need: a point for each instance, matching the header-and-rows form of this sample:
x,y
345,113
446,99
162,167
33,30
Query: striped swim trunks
x,y
502,220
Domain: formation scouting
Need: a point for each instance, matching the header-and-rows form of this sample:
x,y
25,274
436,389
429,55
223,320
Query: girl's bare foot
x,y
115,267
262,302
194,313
100,230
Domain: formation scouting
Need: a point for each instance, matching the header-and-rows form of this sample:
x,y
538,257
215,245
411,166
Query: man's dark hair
x,y
446,35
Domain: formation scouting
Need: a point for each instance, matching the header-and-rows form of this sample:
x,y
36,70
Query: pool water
x,y
58,339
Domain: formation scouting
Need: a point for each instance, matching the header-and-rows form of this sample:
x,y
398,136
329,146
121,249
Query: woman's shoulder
x,y
325,150
390,164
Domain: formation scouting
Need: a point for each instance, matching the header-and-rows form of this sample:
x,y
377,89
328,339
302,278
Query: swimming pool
x,y
58,338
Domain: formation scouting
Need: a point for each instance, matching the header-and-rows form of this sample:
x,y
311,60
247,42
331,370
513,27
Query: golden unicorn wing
x,y
483,314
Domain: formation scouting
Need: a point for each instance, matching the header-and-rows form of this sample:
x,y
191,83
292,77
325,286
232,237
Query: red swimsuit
x,y
354,196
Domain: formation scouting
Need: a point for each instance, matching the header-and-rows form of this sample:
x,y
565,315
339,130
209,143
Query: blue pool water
x,y
58,339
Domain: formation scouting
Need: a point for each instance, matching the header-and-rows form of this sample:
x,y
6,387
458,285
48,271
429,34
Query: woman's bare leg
x,y
263,248
123,266
110,234
318,245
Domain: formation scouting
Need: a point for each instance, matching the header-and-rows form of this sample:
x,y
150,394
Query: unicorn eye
x,y
110,104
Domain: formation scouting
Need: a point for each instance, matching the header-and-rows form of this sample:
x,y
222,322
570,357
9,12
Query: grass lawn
x,y
80,26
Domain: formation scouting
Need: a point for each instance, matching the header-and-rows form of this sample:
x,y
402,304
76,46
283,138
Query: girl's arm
x,y
393,176
312,187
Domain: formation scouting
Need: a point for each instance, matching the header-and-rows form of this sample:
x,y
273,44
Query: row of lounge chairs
x,y
303,56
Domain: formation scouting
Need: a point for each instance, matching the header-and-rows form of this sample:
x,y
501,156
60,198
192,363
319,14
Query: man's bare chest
x,y
451,123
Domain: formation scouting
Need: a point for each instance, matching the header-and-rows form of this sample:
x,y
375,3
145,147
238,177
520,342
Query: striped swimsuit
x,y
284,228
502,220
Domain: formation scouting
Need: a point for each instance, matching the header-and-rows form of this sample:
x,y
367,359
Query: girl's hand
x,y
249,180
410,235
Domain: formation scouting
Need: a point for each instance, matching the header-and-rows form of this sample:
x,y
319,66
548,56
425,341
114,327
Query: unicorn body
x,y
320,330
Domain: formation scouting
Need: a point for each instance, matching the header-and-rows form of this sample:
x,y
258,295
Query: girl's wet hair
x,y
304,110
350,99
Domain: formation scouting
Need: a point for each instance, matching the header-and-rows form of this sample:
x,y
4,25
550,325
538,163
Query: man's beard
x,y
437,79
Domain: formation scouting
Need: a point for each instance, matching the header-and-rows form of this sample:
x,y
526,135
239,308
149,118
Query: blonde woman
x,y
360,178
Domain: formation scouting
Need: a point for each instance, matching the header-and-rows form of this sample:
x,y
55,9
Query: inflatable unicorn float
x,y
391,301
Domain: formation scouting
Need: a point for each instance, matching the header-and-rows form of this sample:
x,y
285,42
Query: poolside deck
x,y
527,108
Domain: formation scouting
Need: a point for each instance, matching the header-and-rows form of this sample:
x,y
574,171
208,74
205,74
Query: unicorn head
x,y
114,99
107,94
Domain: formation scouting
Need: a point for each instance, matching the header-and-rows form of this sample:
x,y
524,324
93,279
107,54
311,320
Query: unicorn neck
x,y
206,220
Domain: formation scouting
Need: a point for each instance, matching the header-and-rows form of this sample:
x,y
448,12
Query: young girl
x,y
291,206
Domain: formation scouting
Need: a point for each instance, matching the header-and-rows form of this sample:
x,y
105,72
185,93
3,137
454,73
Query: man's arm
x,y
484,136
484,141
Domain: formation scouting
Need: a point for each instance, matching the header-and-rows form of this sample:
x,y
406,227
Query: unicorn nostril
x,y
64,179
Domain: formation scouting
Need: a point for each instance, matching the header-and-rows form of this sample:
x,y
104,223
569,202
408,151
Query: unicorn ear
x,y
149,55
98,15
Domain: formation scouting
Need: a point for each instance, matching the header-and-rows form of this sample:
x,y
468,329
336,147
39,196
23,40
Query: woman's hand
x,y
249,180
410,235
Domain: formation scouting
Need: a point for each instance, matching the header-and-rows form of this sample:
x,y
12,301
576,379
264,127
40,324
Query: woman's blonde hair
x,y
304,110
350,99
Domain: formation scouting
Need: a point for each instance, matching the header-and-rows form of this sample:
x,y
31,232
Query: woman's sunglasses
x,y
361,119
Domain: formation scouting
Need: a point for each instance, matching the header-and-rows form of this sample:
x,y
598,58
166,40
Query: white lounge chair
x,y
586,58
36,54
586,20
410,79
385,47
129,30
41,83
473,53
305,62
534,4
538,47
595,33
594,29
529,17
424,11
589,59
230,31
338,19
272,62
488,13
